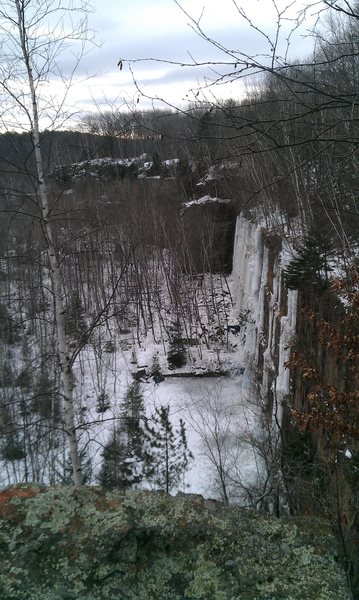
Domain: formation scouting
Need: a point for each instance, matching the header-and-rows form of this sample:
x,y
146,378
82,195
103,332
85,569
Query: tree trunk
x,y
62,345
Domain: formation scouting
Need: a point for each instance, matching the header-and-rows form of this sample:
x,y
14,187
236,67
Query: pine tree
x,y
132,416
155,369
311,266
156,167
168,457
113,473
75,325
103,402
8,326
177,353
12,447
124,456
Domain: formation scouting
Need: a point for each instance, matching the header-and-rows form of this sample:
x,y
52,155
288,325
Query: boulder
x,y
61,543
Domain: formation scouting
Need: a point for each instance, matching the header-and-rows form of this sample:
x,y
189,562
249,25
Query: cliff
x,y
61,543
265,309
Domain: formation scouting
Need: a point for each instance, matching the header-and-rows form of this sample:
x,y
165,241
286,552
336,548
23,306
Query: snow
x,y
207,402
232,321
207,199
216,172
107,161
210,176
253,296
190,399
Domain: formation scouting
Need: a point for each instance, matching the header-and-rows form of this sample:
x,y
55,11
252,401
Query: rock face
x,y
208,227
65,544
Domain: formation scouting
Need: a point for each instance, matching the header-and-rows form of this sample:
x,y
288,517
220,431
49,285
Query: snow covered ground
x,y
216,413
223,414
227,322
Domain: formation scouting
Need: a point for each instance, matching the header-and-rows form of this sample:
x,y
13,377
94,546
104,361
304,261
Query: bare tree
x,y
33,37
221,427
298,117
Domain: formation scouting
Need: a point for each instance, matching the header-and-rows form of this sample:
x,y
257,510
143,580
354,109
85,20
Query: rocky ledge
x,y
61,543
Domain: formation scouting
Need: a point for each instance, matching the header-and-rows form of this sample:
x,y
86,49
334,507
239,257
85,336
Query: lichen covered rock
x,y
62,543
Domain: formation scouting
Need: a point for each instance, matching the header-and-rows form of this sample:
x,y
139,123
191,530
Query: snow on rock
x,y
263,307
207,199
216,172
171,162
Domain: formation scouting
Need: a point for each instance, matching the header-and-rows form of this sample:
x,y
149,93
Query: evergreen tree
x,y
6,375
168,457
311,266
12,447
132,416
177,353
113,470
8,326
156,167
155,369
103,402
75,324
124,456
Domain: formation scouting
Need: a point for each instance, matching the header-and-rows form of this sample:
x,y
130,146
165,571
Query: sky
x,y
144,53
138,30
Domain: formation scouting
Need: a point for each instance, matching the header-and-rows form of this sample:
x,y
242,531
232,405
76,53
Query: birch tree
x,y
35,34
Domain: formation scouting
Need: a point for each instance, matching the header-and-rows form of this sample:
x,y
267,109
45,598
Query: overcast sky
x,y
158,29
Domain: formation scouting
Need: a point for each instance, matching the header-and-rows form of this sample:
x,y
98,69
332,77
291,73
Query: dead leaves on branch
x,y
332,407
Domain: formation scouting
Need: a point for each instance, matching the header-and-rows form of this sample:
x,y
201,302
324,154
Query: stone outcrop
x,y
86,544
265,308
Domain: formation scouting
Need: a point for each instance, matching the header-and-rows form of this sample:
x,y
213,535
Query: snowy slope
x,y
259,322
236,330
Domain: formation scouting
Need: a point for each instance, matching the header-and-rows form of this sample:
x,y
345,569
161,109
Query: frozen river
x,y
220,424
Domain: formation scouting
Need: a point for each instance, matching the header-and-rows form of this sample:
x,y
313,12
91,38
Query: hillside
x,y
179,312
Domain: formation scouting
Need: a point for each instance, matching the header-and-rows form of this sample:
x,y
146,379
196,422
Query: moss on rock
x,y
63,543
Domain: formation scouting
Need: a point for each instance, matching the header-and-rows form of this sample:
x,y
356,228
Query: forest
x,y
120,257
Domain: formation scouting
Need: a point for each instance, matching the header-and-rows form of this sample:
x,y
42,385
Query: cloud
x,y
143,30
